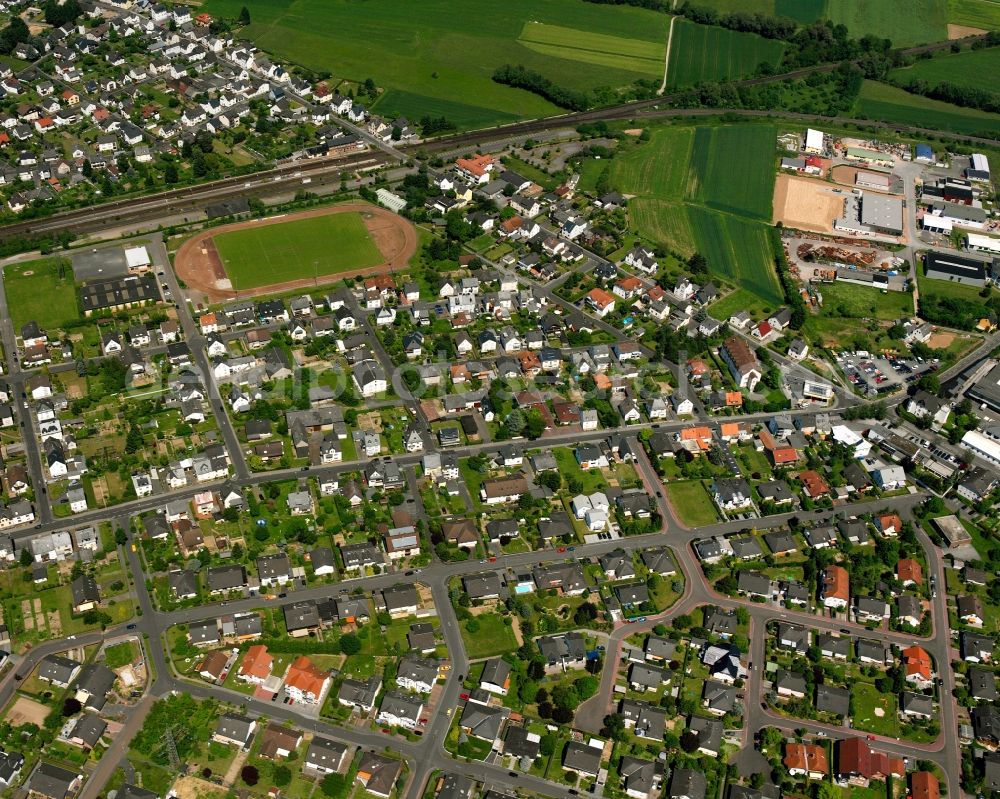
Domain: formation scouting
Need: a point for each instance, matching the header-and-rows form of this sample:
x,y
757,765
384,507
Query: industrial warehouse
x,y
867,214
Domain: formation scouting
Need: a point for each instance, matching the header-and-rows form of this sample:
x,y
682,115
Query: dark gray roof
x,y
833,699
580,757
686,783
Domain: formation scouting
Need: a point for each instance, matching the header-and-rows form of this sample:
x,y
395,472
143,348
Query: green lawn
x,y
889,104
448,52
866,699
947,289
691,503
42,291
710,54
273,253
489,636
740,300
846,299
592,480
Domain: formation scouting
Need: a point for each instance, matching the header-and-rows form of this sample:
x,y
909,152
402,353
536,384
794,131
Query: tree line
x,y
520,77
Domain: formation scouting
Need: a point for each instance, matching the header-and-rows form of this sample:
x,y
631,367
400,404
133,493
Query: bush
x,y
282,775
349,644
250,775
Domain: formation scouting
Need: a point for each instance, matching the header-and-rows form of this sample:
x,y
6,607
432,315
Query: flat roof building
x,y
954,268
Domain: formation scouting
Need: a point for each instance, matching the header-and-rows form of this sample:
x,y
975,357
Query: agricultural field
x,y
451,52
687,198
887,103
709,54
664,222
669,151
713,181
738,249
594,48
983,14
963,69
321,245
399,103
42,291
905,22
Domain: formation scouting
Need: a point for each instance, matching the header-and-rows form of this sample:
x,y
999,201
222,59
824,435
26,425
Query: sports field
x,y
709,54
887,103
963,69
447,51
737,249
42,291
983,14
732,169
322,245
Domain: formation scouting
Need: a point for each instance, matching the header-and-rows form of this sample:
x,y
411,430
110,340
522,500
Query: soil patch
x,y
940,341
27,711
806,204
961,31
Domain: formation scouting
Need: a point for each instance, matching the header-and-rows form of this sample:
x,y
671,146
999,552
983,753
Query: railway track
x,y
281,178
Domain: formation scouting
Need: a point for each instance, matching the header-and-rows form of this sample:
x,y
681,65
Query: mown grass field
x,y
42,291
732,169
737,249
963,69
599,49
322,245
887,103
708,54
447,52
983,14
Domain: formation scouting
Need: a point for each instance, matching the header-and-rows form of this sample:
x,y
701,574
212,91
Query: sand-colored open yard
x,y
940,341
27,711
806,204
196,788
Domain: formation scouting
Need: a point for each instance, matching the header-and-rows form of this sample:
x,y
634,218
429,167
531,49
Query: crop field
x,y
983,14
657,168
664,222
42,291
962,69
738,249
321,245
705,53
448,51
688,197
594,48
887,103
732,169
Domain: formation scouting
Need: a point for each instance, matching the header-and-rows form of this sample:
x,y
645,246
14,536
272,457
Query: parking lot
x,y
882,374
